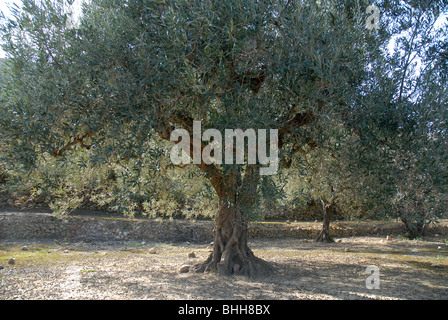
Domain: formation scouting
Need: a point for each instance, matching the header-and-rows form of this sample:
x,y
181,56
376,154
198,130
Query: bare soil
x,y
149,270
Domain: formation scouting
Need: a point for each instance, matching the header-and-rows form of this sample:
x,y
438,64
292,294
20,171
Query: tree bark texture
x,y
231,253
324,235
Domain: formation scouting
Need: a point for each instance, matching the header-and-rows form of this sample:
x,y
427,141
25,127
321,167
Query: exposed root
x,y
255,267
231,254
208,265
250,266
324,237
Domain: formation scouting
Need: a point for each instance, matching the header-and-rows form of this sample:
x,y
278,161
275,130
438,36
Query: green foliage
x,y
2,69
403,125
356,122
65,186
327,173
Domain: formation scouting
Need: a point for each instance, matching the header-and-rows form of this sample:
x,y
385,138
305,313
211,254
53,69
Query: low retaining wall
x,y
26,225
45,225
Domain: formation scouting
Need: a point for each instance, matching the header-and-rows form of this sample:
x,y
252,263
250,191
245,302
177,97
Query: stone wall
x,y
35,225
46,225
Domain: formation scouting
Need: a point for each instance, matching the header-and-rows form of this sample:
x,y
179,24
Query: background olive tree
x,y
407,98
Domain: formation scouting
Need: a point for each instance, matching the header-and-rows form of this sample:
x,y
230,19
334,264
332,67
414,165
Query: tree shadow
x,y
303,273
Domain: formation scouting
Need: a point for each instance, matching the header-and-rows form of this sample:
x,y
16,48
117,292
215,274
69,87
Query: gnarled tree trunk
x,y
231,253
414,228
324,235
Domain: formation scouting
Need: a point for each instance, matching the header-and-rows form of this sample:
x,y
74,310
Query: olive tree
x,y
138,70
332,179
406,97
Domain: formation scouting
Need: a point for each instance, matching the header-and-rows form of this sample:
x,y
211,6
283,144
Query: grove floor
x,y
149,270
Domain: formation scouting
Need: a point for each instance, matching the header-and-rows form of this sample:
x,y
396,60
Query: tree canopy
x,y
134,71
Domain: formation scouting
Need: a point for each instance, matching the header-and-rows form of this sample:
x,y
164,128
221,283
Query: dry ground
x,y
305,270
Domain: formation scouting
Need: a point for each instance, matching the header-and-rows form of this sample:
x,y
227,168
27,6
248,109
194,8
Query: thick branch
x,y
77,140
212,173
299,120
254,80
248,189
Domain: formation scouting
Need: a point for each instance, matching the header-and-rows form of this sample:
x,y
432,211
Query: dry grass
x,y
305,270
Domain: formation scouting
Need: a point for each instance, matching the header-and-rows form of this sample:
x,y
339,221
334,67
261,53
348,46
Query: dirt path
x,y
305,270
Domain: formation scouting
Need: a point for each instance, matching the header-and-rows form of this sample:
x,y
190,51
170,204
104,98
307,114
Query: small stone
x,y
152,251
12,261
288,222
389,238
347,250
439,248
414,250
25,248
236,267
184,269
66,251
192,255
